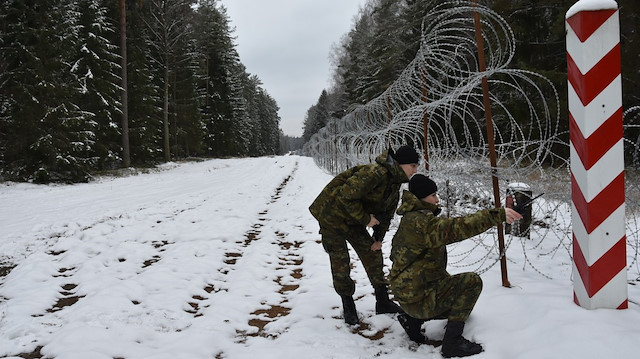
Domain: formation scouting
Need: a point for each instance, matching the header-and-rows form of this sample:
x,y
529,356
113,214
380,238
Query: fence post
x,y
491,142
425,122
596,150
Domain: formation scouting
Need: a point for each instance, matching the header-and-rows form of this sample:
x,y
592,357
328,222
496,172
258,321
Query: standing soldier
x,y
361,197
419,277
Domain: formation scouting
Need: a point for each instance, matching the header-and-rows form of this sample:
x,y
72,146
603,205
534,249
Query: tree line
x,y
95,85
385,37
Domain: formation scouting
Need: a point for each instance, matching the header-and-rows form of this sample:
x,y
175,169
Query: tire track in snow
x,y
126,251
67,263
262,245
288,274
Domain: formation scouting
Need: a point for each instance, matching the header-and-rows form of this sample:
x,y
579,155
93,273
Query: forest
x,y
93,85
88,86
385,37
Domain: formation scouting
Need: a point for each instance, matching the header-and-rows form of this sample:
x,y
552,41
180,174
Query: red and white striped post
x,y
597,163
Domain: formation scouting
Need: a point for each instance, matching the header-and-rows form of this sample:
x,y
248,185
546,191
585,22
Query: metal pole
x,y
425,121
492,147
389,123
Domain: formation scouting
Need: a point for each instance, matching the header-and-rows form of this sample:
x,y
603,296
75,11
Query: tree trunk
x,y
126,159
165,115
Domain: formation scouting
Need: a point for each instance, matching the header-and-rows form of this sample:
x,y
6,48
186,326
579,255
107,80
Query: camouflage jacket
x,y
418,250
359,191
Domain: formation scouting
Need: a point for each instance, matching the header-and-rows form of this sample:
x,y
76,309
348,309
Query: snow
x,y
591,5
221,259
519,186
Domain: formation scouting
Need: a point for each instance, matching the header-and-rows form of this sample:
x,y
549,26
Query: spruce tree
x,y
222,83
187,129
49,137
167,26
144,91
96,68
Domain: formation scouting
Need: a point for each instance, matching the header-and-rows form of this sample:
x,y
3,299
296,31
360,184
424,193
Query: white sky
x,y
286,43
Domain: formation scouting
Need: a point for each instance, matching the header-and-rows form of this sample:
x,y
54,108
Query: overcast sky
x,y
286,43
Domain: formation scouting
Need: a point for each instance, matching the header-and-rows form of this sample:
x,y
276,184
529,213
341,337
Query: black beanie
x,y
422,186
405,155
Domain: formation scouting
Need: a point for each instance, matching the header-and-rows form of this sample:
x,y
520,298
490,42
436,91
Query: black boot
x,y
383,303
455,345
350,314
413,328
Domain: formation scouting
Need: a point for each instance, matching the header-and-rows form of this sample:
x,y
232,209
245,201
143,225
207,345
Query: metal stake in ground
x,y
492,146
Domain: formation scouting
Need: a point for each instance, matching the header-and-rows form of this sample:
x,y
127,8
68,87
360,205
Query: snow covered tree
x,y
187,128
262,112
317,116
96,68
216,111
144,90
182,90
122,17
356,61
167,23
223,103
240,124
268,123
48,137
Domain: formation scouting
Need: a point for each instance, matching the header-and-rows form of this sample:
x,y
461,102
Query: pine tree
x,y
269,123
167,25
387,47
252,100
356,61
317,116
188,93
212,26
49,137
187,130
124,82
96,68
240,124
144,92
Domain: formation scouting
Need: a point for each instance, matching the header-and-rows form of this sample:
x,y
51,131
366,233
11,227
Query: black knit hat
x,y
405,155
422,186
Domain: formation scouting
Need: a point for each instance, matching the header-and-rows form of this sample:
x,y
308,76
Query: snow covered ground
x,y
221,259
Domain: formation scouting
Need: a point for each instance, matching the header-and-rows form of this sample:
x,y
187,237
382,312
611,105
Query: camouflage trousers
x,y
335,244
450,298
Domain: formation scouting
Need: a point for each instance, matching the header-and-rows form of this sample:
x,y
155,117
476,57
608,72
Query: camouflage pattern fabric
x,y
419,278
335,244
343,210
452,297
354,194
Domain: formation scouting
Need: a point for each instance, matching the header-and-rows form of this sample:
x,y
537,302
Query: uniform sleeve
x,y
442,231
392,204
354,191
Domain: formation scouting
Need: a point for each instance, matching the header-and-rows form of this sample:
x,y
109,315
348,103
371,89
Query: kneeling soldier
x,y
419,278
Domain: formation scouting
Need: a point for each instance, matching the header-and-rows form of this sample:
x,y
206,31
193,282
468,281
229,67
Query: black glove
x,y
520,208
378,234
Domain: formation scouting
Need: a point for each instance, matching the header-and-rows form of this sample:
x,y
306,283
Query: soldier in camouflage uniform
x,y
419,278
360,197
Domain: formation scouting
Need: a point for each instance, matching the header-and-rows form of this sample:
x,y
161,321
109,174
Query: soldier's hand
x,y
512,215
376,246
373,221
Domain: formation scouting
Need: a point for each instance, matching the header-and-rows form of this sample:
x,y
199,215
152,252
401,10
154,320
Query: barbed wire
x,y
440,91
